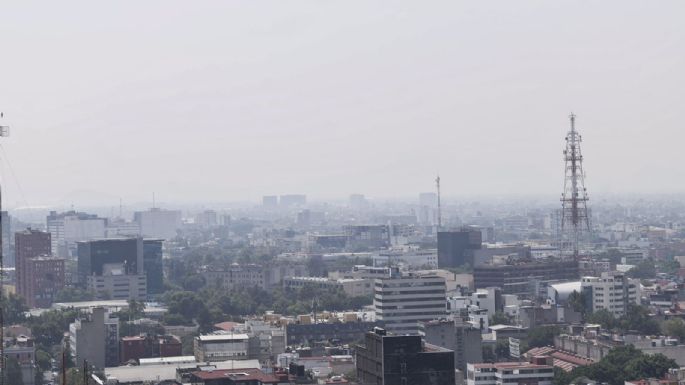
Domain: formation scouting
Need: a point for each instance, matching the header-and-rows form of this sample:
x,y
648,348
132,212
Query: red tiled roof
x,y
561,359
571,358
227,326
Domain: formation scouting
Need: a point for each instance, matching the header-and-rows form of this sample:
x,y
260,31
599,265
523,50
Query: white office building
x,y
221,346
404,300
539,372
158,223
68,228
114,284
611,291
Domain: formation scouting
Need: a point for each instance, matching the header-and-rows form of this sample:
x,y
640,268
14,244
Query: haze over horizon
x,y
229,101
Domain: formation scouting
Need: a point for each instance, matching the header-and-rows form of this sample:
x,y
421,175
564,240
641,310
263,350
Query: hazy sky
x,y
231,100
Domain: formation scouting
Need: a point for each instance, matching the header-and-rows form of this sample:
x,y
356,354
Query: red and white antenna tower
x,y
575,221
437,185
4,131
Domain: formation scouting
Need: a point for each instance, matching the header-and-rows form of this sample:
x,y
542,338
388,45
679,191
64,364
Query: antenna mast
x,y
575,221
437,185
4,132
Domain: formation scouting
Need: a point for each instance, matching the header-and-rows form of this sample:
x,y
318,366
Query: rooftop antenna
x,y
4,132
120,208
153,199
437,185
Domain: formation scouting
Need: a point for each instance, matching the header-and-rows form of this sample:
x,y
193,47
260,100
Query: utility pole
x,y
4,132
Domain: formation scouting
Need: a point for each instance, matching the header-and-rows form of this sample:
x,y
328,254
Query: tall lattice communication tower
x,y
575,221
4,131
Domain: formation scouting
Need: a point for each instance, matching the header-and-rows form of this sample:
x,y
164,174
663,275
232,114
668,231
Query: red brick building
x,y
39,276
45,278
137,347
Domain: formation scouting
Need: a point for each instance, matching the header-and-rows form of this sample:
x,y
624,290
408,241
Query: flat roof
x,y
167,360
223,337
249,374
167,371
510,365
87,304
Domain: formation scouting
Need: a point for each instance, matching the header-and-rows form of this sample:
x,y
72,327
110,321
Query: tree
x,y
637,318
644,269
649,366
622,364
542,336
489,354
14,375
502,349
193,282
48,328
602,317
135,310
14,308
43,360
674,327
499,318
668,266
577,302
72,294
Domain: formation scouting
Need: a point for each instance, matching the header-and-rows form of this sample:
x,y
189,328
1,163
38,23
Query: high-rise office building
x,y
403,360
611,292
206,219
29,243
70,227
152,265
402,301
44,279
158,223
293,200
114,268
270,201
456,248
7,255
94,337
358,202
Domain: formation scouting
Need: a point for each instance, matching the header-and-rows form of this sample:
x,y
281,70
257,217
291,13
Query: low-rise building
x,y
221,346
352,287
22,350
343,332
237,377
251,275
539,371
465,340
145,346
519,276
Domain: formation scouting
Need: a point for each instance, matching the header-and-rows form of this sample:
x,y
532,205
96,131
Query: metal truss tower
x,y
4,131
575,221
